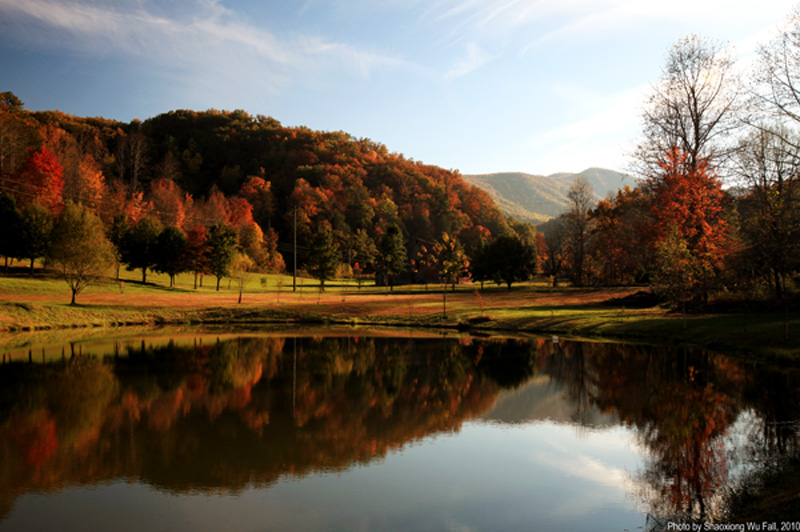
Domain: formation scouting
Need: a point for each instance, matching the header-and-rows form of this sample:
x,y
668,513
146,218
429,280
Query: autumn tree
x,y
40,179
770,210
170,203
139,249
258,193
581,201
251,240
556,247
693,109
36,224
687,209
242,268
222,248
16,135
130,157
197,251
451,260
768,160
620,249
323,258
87,184
776,91
80,249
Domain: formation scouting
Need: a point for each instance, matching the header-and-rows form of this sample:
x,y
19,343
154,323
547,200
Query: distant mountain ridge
x,y
537,198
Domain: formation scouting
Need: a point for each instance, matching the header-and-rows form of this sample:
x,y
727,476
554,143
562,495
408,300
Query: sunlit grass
x,y
42,301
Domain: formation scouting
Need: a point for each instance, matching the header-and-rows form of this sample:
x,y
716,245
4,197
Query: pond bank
x,y
39,304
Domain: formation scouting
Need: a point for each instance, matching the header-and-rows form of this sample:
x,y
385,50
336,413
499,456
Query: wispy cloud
x,y
202,36
568,19
600,137
474,58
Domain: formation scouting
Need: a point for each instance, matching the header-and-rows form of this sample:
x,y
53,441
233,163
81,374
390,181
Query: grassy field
x,y
42,302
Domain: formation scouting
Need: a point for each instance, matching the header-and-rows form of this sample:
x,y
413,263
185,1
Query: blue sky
x,y
538,86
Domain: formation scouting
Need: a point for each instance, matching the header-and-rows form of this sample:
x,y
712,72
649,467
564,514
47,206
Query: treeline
x,y
189,191
681,231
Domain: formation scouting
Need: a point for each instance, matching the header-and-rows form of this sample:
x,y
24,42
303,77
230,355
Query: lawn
x,y
42,302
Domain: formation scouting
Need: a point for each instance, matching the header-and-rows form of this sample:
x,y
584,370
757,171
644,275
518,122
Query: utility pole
x,y
294,247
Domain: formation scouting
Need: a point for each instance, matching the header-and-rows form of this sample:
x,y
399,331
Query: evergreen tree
x,y
171,252
391,260
116,233
480,266
34,235
10,220
324,256
512,260
139,245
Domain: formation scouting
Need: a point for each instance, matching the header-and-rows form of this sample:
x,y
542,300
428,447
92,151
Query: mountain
x,y
537,198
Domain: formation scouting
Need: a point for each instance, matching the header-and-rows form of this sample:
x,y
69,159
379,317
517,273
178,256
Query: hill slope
x,y
536,198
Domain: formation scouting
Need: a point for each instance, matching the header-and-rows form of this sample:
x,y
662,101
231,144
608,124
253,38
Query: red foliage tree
x,y
40,178
197,251
687,202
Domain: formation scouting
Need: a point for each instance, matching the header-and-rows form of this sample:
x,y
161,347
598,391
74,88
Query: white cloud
x,y
198,37
474,58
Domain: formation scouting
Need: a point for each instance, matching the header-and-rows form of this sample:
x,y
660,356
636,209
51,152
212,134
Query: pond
x,y
354,430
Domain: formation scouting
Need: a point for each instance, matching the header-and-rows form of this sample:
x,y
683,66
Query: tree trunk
x,y
144,275
218,280
195,280
778,287
74,293
32,261
241,287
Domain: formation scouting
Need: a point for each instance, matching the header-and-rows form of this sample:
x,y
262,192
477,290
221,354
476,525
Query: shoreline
x,y
37,305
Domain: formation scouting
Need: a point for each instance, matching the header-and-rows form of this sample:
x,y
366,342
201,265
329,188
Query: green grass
x,y
41,302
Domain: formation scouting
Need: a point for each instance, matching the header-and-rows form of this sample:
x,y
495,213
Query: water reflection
x,y
212,415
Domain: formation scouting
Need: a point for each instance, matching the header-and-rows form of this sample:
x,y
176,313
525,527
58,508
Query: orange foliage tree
x,y
687,205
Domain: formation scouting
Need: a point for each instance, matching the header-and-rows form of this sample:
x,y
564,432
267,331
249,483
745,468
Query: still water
x,y
375,431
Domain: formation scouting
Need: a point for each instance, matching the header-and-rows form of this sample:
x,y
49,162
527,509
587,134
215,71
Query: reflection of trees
x,y
772,430
230,413
215,414
567,363
682,404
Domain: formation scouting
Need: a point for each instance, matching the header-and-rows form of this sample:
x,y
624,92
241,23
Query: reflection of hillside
x,y
542,399
225,415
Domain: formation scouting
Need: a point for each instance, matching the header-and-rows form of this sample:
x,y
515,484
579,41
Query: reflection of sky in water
x,y
354,436
541,476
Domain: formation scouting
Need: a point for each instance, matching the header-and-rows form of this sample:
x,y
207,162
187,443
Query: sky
x,y
480,86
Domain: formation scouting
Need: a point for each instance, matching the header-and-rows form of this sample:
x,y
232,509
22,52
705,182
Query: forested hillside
x,y
197,170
